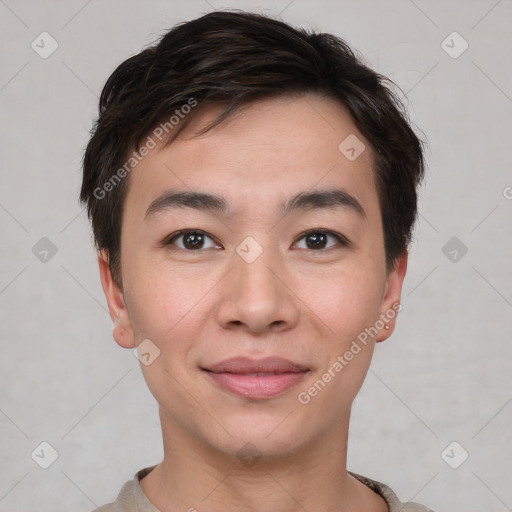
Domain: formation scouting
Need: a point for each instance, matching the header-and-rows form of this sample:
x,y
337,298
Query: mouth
x,y
256,378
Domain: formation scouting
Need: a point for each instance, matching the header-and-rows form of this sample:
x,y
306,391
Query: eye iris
x,y
193,240
316,240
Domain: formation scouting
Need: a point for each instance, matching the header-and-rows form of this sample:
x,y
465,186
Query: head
x,y
294,170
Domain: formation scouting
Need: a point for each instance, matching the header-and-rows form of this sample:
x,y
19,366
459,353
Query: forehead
x,y
266,152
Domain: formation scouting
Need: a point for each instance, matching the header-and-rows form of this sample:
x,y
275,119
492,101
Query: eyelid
x,y
168,240
343,241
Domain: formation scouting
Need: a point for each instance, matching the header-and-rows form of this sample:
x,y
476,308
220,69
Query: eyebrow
x,y
317,199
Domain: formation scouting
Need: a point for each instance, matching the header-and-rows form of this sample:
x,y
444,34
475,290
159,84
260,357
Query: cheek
x,y
162,304
170,312
343,309
346,301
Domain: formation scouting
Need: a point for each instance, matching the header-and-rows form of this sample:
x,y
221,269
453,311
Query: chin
x,y
256,437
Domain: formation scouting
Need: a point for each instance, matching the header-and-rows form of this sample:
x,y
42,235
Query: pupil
x,y
316,241
193,241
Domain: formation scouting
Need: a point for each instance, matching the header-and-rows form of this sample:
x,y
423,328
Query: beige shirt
x,y
132,499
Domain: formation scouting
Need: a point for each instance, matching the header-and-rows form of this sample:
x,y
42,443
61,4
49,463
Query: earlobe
x,y
122,331
391,300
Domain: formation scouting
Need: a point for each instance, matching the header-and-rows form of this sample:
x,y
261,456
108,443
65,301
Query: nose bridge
x,y
255,295
257,286
256,276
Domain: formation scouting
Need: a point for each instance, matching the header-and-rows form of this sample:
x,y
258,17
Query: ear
x,y
122,332
390,305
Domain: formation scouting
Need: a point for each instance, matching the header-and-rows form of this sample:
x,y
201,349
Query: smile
x,y
256,379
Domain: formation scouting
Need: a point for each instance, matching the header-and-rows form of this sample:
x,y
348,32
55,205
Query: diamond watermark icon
x,y
44,455
454,249
44,45
352,147
249,249
44,250
454,45
454,455
249,455
146,352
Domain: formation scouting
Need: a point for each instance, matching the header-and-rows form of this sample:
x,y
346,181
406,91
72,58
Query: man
x,y
252,190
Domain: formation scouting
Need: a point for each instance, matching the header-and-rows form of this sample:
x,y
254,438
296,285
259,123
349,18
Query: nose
x,y
256,298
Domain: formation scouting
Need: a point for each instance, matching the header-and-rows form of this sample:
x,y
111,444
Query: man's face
x,y
222,285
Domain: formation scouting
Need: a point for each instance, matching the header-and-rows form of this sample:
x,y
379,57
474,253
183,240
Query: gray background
x,y
445,374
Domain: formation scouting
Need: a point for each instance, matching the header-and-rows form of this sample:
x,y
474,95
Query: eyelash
x,y
342,240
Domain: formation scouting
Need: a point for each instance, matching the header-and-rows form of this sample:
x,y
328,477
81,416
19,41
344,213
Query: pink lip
x,y
256,378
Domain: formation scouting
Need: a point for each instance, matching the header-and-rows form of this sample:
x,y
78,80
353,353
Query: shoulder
x,y
124,501
110,507
130,497
395,505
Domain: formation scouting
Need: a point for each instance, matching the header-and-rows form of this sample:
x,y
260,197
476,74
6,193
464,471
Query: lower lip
x,y
257,386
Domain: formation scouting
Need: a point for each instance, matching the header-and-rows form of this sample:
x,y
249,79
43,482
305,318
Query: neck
x,y
196,477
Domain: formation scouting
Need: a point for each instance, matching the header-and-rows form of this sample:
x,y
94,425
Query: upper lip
x,y
247,365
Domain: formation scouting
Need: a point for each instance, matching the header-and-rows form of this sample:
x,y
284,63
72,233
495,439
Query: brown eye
x,y
192,241
316,240
319,239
